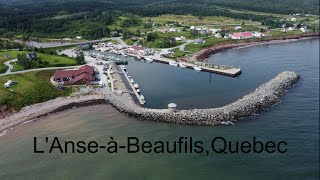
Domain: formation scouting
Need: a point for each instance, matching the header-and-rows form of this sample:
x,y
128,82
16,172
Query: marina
x,y
222,70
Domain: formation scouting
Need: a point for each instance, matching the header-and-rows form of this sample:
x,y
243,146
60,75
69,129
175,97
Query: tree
x,y
80,59
152,36
24,61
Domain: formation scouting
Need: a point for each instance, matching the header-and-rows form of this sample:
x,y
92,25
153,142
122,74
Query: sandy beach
x,y
49,107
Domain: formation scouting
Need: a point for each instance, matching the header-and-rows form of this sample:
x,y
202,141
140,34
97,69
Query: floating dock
x,y
231,71
141,99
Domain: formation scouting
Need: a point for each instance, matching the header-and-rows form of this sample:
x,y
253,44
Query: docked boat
x,y
182,65
136,86
173,64
142,97
149,60
139,57
138,90
197,68
132,81
125,55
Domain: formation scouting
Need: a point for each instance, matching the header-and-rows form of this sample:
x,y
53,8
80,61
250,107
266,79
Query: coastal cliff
x,y
203,54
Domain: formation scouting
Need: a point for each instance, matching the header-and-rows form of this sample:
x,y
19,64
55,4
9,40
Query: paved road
x,y
38,69
10,66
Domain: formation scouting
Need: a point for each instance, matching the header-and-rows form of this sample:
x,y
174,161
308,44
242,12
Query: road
x,y
60,44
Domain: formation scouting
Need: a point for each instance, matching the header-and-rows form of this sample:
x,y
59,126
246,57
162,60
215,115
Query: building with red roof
x,y
242,35
83,75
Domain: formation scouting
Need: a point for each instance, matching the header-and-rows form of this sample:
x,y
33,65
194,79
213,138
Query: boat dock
x,y
139,97
230,71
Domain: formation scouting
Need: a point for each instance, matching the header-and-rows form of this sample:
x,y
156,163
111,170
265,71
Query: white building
x,y
218,35
9,84
237,28
293,19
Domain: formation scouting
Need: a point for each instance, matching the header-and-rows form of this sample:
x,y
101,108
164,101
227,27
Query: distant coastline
x,y
204,54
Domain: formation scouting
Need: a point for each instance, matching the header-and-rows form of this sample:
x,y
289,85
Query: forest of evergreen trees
x,y
92,17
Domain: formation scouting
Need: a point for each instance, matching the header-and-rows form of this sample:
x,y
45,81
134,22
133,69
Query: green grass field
x,y
31,88
208,42
52,60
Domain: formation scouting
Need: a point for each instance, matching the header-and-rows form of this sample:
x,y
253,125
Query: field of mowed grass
x,y
191,20
50,60
31,88
208,42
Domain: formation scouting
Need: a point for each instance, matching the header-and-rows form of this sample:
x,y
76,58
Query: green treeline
x,y
92,18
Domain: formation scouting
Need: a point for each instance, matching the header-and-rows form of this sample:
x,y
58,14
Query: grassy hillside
x,y
31,88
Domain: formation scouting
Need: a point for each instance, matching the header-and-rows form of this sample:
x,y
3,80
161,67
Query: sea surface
x,y
294,120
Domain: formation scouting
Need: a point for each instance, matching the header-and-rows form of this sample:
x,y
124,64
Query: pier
x,y
230,71
141,101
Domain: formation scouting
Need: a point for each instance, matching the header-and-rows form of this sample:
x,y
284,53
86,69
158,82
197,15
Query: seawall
x,y
259,100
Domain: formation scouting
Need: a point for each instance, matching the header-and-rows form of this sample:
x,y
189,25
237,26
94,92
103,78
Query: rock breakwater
x,y
259,100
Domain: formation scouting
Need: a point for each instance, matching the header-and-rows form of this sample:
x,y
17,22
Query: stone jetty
x,y
259,100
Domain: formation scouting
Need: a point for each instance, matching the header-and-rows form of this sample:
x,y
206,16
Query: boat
x,y
136,86
182,65
173,64
197,68
142,97
138,90
123,54
138,57
132,81
149,60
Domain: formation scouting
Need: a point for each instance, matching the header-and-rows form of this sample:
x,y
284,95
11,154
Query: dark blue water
x,y
294,120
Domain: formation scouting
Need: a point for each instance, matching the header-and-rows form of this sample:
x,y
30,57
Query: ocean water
x,y
294,120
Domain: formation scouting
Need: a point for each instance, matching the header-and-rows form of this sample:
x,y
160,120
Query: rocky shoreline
x,y
204,54
259,100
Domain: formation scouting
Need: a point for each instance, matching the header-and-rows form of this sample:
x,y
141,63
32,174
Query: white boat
x,y
182,65
149,60
197,68
132,81
138,57
123,54
142,97
173,64
138,90
136,86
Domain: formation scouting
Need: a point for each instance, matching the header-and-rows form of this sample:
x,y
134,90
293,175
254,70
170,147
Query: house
x,y
9,84
134,38
258,34
291,29
304,29
136,49
237,28
180,38
66,39
218,35
83,75
213,30
32,56
6,55
242,35
199,41
293,19
114,33
174,30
